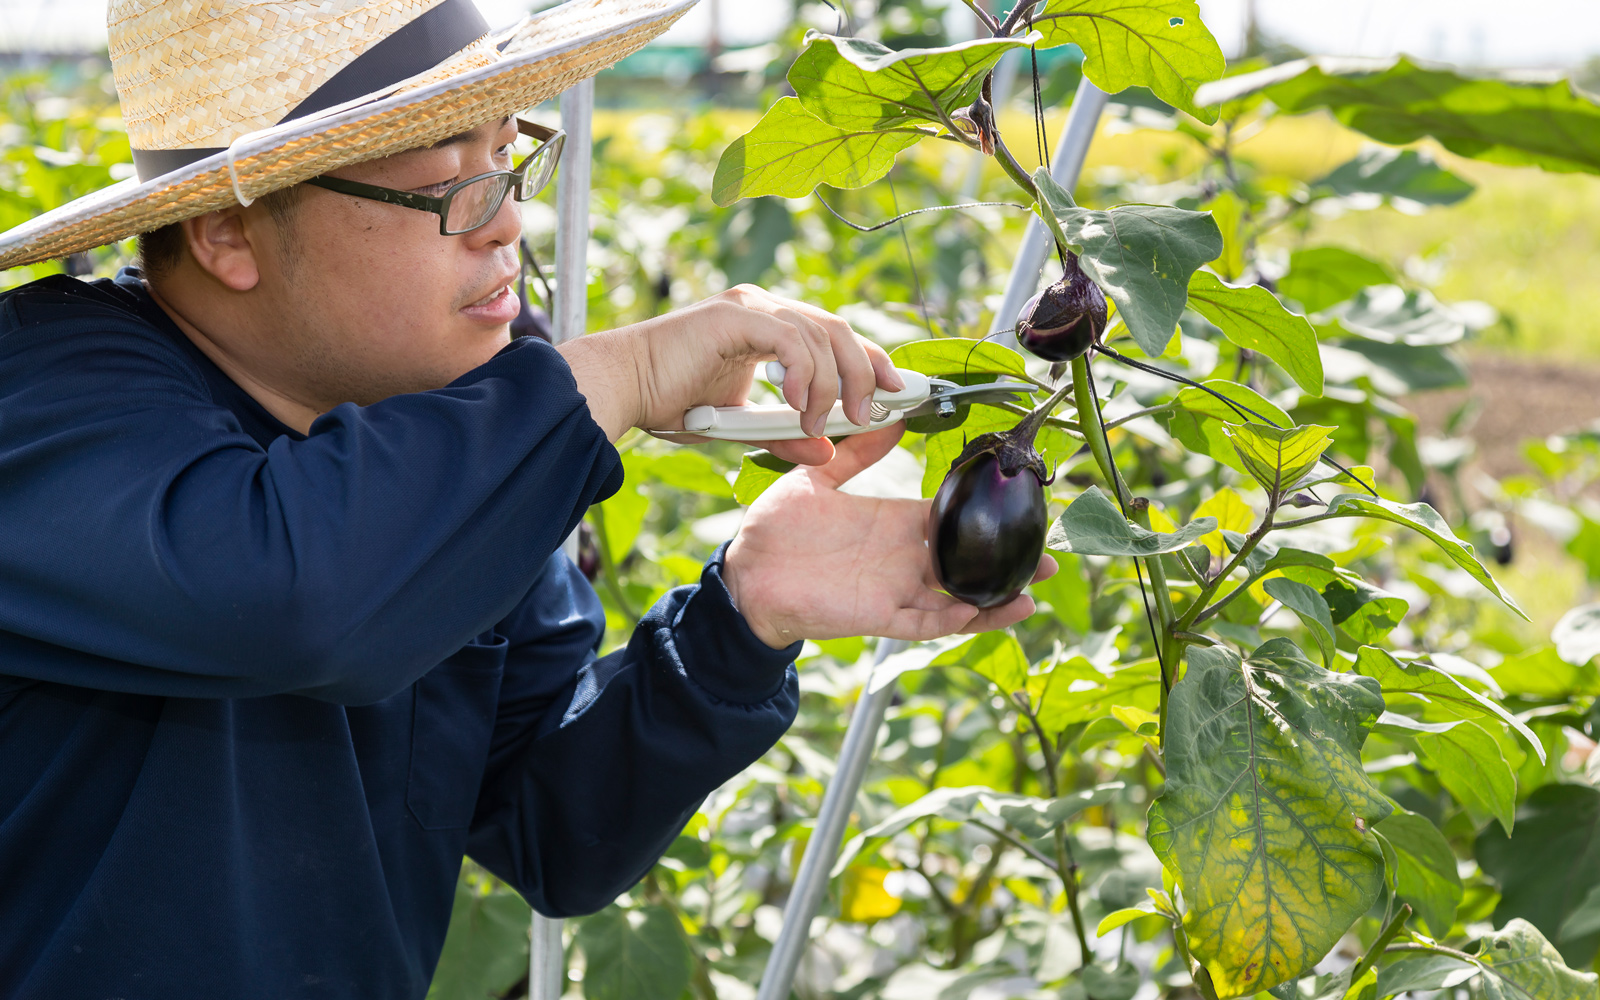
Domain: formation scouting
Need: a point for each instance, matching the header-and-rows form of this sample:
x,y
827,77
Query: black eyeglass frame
x,y
548,137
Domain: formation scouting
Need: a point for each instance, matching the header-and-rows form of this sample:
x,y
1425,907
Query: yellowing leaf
x,y
1232,514
1278,457
864,898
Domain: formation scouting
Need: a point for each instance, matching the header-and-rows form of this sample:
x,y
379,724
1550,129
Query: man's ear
x,y
221,244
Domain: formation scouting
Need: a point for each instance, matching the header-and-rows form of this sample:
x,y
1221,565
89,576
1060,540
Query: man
x,y
284,625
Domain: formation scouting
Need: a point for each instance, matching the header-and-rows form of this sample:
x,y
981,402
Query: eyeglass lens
x,y
474,205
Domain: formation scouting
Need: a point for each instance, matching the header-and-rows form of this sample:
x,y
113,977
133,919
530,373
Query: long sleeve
x,y
596,764
152,546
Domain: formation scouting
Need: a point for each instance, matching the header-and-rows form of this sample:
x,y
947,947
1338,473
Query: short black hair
x,y
161,250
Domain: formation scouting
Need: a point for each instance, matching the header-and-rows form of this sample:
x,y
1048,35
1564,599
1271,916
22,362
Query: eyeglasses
x,y
475,201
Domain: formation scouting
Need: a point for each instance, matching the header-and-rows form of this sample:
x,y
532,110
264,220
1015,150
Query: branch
x,y
1387,935
1249,546
1031,852
983,16
1009,25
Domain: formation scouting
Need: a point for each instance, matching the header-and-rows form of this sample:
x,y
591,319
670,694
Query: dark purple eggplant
x,y
987,525
1066,319
588,551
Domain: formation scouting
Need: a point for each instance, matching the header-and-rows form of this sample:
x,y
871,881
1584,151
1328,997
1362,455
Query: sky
x,y
1524,34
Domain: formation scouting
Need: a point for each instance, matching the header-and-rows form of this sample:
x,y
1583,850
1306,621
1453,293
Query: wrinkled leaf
x,y
1427,875
647,960
860,85
1519,964
757,471
1412,174
1267,811
1310,608
1277,458
790,151
1320,277
1577,635
1160,44
1093,526
1141,256
1253,318
1426,521
1549,865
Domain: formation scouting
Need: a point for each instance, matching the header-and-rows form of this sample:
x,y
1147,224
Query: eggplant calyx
x,y
1011,453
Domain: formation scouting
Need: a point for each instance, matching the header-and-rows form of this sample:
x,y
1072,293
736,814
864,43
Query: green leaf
x,y
1388,314
1549,865
681,469
1577,635
1120,983
1253,318
1199,422
1093,526
1471,765
790,151
942,449
1277,458
958,356
1411,174
1310,608
1520,964
1420,683
757,471
1427,869
634,955
1426,521
1160,44
1077,691
1418,972
1541,673
1365,613
1141,256
1126,915
994,655
1584,920
1323,276
1539,124
486,948
1266,813
862,86
622,517
1228,211
1038,817
1393,369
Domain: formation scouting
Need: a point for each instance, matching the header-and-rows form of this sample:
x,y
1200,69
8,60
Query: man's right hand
x,y
649,374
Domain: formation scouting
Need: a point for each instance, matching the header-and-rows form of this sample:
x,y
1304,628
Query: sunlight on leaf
x,y
790,151
1253,318
860,85
1277,458
1093,526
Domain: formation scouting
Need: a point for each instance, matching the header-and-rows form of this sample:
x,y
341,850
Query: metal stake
x,y
811,883
547,965
1071,149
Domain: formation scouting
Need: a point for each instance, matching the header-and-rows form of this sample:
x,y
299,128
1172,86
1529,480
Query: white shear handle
x,y
781,422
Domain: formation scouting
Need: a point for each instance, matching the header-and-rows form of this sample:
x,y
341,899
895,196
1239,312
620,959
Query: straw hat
x,y
228,100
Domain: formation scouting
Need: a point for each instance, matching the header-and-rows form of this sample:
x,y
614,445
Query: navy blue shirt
x,y
260,691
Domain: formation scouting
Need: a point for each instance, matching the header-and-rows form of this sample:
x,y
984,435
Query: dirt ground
x,y
1518,399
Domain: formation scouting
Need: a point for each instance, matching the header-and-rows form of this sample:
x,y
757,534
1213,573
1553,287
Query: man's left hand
x,y
811,562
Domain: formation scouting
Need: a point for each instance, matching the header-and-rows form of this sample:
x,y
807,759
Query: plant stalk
x,y
1385,936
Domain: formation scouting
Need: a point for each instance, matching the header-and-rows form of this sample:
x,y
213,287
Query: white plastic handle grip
x,y
780,422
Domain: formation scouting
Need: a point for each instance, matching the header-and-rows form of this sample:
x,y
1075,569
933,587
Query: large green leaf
x,y
791,151
1076,690
1426,875
1310,608
1426,521
1519,964
1411,174
862,86
1142,256
637,955
958,356
1471,765
994,655
1160,44
1366,613
1424,971
1279,457
1504,121
1323,276
1434,693
1549,864
1254,319
1093,526
1266,814
486,948
1542,673
1199,422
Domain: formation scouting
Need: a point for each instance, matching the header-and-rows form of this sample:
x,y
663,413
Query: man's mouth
x,y
499,306
502,290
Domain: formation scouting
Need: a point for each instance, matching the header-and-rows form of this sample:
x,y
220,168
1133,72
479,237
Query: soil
x,y
1516,400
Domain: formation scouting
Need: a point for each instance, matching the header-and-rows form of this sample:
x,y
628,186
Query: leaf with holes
x,y
1160,44
1253,318
1267,812
1141,256
1424,520
791,151
1279,457
1093,526
862,86
1519,964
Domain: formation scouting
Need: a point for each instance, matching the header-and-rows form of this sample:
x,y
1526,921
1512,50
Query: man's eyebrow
x,y
467,136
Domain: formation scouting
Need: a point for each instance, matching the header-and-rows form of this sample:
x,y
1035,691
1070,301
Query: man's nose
x,y
502,230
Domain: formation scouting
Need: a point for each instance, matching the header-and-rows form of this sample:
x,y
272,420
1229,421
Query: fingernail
x,y
864,411
819,425
898,382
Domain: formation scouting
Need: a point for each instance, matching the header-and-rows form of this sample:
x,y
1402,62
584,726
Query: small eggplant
x,y
588,551
987,526
1066,319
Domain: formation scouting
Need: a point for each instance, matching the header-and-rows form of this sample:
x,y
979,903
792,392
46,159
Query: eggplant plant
x,y
1298,778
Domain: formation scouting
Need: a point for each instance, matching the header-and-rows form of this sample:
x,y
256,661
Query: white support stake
x,y
811,882
547,966
1071,149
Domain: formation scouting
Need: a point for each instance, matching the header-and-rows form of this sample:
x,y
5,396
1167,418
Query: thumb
x,y
854,453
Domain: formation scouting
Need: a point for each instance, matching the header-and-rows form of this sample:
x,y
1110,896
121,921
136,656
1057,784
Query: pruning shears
x,y
922,396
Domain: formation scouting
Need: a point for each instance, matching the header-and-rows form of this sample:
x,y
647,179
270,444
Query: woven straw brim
x,y
544,56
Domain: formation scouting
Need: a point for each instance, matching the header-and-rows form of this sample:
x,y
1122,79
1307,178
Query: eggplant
x,y
986,531
1066,319
588,551
987,525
